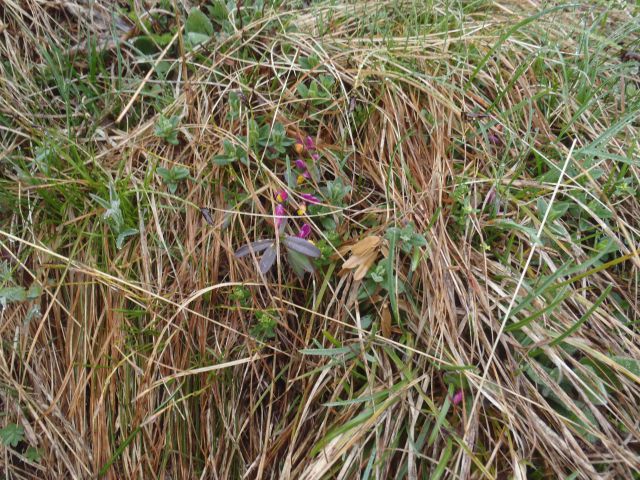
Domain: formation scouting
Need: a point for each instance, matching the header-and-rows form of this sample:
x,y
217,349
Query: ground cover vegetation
x,y
319,239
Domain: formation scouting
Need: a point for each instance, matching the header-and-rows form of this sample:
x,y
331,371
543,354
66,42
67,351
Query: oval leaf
x,y
300,263
268,259
302,246
255,247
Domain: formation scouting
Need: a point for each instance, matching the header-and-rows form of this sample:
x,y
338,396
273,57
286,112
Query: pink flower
x,y
305,231
280,213
302,177
315,156
282,196
309,144
299,163
494,139
312,199
457,398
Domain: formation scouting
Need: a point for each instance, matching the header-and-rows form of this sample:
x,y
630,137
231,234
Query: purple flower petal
x,y
309,144
279,213
305,231
315,156
457,398
281,196
312,199
303,176
494,139
299,163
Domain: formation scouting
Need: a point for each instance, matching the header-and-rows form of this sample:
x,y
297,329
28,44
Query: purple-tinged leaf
x,y
268,259
206,214
255,247
302,246
300,263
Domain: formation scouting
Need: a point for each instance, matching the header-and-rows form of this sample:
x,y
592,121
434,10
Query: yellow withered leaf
x,y
366,244
352,262
365,264
363,255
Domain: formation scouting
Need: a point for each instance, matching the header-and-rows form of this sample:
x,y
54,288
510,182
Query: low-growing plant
x,y
12,435
410,242
167,129
266,327
171,176
232,153
113,215
319,91
299,252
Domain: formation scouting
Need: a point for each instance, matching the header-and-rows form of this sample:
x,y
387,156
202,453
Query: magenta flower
x,y
457,398
282,196
280,213
305,231
299,163
312,199
309,144
302,177
494,139
315,156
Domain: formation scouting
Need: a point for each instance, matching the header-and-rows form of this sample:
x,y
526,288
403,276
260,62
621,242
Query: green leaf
x,y
34,292
328,352
12,435
630,364
122,236
511,225
595,389
195,38
199,24
222,160
165,173
144,45
12,294
33,454
180,173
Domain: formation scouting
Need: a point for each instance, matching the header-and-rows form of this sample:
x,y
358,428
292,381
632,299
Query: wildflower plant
x,y
300,251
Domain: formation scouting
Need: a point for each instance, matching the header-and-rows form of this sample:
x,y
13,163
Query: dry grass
x,y
141,362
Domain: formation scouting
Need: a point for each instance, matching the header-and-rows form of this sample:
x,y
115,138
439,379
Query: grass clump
x,y
322,239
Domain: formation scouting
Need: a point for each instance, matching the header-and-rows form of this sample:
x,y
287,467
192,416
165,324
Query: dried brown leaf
x,y
366,244
365,265
385,321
